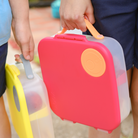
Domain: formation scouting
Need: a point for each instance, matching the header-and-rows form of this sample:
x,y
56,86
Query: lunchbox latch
x,y
27,67
71,37
13,70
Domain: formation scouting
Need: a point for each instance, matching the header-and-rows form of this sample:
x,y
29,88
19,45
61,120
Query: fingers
x,y
89,14
72,14
32,46
28,50
24,38
74,21
80,23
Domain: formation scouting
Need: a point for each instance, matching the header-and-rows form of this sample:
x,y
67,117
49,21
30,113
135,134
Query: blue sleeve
x,y
5,21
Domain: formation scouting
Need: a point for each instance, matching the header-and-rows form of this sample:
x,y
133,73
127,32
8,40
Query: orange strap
x,y
91,28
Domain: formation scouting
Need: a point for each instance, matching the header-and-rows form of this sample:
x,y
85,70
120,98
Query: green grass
x,y
36,59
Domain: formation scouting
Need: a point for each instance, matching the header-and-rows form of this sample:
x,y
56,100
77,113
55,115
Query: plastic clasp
x,y
13,70
71,37
91,28
27,67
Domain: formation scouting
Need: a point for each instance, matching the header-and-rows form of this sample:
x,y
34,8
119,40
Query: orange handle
x,y
91,28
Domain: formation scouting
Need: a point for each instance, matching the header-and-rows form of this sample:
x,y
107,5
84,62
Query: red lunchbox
x,y
86,79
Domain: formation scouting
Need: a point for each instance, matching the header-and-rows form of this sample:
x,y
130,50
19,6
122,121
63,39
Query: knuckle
x,y
83,28
76,17
67,17
93,21
72,28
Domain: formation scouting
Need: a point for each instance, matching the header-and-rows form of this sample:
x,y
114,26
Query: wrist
x,y
21,19
20,24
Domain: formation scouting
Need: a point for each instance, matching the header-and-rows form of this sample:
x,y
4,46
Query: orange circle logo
x,y
93,62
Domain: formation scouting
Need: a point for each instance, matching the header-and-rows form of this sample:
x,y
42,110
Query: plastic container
x,y
86,79
55,8
120,71
28,102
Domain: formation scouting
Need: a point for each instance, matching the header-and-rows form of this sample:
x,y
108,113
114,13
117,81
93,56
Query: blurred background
x,y
45,22
38,3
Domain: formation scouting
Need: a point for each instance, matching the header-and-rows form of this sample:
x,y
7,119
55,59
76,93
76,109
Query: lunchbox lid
x,y
17,99
81,82
18,110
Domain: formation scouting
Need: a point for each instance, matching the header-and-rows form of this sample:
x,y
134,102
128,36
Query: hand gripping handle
x,y
27,67
91,28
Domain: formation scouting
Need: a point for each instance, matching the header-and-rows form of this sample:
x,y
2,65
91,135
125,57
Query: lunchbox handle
x,y
27,67
91,28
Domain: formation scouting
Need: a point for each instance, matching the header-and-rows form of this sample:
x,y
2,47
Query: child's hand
x,y
23,37
72,13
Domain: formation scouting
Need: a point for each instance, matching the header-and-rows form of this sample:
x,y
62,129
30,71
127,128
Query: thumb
x,y
26,52
89,14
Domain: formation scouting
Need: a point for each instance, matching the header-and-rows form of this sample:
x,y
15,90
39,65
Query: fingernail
x,y
28,57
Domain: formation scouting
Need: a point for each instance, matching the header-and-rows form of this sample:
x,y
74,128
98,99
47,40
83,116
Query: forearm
x,y
21,27
20,10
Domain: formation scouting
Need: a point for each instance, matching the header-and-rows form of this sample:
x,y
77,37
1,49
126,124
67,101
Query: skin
x,y
21,28
72,14
134,100
5,130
